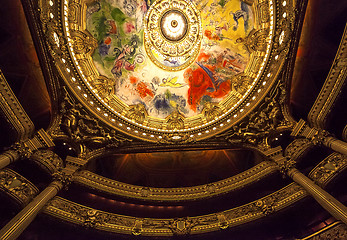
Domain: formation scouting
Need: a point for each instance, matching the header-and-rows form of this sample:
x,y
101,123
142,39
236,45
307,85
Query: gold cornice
x,y
110,222
331,88
112,187
13,111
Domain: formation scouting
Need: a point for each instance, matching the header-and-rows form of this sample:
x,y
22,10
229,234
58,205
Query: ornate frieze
x,y
17,187
297,148
326,170
233,183
48,160
85,216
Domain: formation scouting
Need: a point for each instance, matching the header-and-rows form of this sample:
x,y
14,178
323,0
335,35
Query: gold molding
x,y
331,88
112,187
110,222
13,111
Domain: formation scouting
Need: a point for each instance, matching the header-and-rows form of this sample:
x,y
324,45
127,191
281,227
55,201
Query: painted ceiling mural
x,y
192,62
169,71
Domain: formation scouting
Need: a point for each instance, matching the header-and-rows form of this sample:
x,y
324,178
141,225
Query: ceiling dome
x,y
172,71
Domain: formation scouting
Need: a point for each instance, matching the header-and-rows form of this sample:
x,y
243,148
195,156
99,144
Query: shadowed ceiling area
x,y
20,64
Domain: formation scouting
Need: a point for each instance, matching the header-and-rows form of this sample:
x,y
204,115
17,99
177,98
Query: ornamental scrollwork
x,y
211,110
255,41
22,149
137,112
286,165
175,120
327,169
83,42
54,38
89,217
17,186
319,137
62,177
282,36
48,160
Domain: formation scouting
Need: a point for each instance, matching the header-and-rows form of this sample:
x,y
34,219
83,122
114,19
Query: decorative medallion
x,y
172,34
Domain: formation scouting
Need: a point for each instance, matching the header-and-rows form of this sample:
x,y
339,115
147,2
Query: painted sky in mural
x,y
118,27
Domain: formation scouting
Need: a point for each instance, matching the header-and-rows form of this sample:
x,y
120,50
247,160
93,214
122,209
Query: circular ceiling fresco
x,y
175,70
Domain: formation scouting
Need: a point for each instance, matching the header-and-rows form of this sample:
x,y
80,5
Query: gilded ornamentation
x,y
137,229
105,86
100,220
282,35
256,40
211,110
22,149
328,168
17,186
62,177
241,83
49,160
263,13
175,138
112,187
83,129
54,38
286,165
137,112
319,137
172,34
265,208
254,129
296,148
175,121
222,220
83,42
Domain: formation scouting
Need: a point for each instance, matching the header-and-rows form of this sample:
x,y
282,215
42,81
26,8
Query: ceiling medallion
x,y
172,34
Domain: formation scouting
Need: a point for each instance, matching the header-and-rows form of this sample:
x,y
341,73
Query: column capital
x,y
62,178
284,163
302,129
25,148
